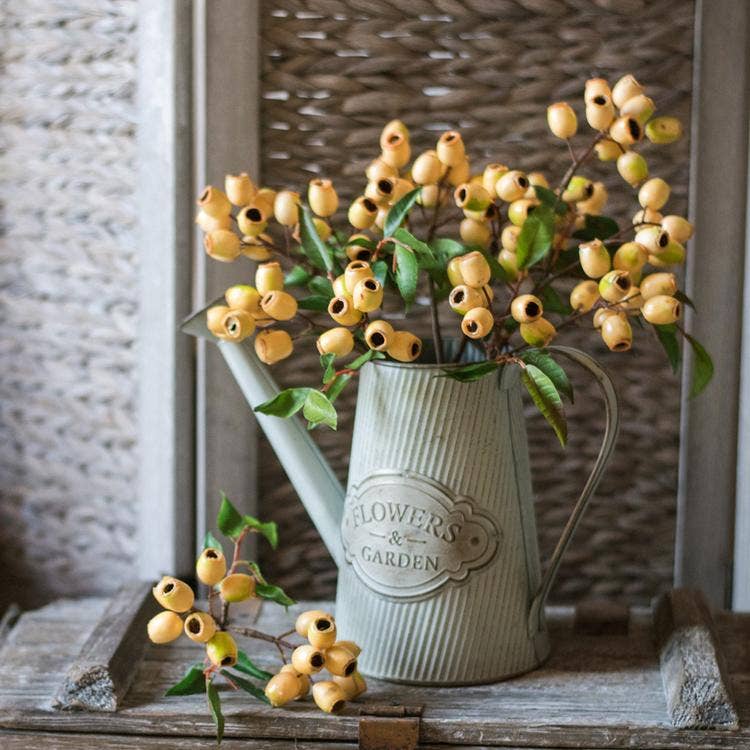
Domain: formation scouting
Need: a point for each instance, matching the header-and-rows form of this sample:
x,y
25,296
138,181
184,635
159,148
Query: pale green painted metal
x,y
439,573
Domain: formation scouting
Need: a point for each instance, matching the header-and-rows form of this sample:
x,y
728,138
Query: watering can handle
x,y
606,386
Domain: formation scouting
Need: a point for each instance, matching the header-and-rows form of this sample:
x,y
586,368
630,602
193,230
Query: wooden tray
x,y
602,687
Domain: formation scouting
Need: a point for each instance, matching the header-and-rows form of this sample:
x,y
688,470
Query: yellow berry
x,y
208,223
164,627
450,148
596,87
617,333
307,659
252,219
396,150
427,168
352,686
679,229
537,333
340,661
562,120
173,594
661,309
511,186
600,112
221,650
378,335
378,169
211,566
626,131
273,346
615,285
654,193
286,208
472,197
594,259
214,202
404,346
584,296
475,271
282,688
526,308
474,232
239,188
336,341
631,256
608,150
492,173
322,197
342,310
368,295
362,213
269,278
464,298
222,244
477,323
626,88
654,239
519,210
237,587
200,627
640,107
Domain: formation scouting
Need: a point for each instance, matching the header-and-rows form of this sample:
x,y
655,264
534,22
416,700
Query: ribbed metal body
x,y
428,450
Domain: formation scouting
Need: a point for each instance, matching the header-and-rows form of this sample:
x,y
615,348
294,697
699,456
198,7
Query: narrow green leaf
x,y
297,276
326,362
684,299
314,248
407,270
337,386
535,238
321,286
229,520
319,410
214,704
546,398
268,529
192,683
256,571
399,212
246,685
469,373
543,360
703,366
549,198
245,664
364,359
211,541
273,594
316,302
447,248
597,227
361,241
285,403
667,335
553,302
405,236
380,271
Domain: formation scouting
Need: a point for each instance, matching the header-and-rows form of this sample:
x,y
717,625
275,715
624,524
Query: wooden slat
x,y
695,679
595,691
106,665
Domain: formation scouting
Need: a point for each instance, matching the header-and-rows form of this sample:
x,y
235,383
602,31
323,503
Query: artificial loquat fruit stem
x,y
278,640
577,162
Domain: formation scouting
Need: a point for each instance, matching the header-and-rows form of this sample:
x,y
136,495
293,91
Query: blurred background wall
x,y
68,289
332,74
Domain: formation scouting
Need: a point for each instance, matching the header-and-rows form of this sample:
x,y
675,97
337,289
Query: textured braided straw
x,y
68,266
334,72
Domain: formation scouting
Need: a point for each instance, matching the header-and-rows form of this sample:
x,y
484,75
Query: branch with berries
x,y
517,260
238,580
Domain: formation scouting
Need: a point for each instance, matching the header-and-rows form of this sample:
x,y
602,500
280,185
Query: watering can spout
x,y
310,474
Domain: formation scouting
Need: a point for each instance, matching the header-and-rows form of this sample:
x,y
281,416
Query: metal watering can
x,y
435,537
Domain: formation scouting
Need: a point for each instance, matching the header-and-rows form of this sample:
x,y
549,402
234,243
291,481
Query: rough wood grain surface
x,y
104,669
696,683
593,692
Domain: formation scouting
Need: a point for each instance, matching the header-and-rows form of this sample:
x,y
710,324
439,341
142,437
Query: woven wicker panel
x,y
68,297
334,72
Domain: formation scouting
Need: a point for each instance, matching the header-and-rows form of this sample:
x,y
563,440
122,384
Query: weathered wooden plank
x,y
695,678
595,691
106,665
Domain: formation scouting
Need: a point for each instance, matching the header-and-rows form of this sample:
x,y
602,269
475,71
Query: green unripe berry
x,y
632,168
454,271
538,333
509,263
221,650
639,107
579,189
630,256
519,210
471,197
608,150
662,130
672,254
615,286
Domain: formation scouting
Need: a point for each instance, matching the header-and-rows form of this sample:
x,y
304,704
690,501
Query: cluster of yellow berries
x,y
178,598
322,651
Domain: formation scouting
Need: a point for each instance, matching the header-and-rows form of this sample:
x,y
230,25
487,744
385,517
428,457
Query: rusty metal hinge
x,y
386,727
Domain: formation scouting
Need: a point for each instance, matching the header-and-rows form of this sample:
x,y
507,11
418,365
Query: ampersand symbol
x,y
395,538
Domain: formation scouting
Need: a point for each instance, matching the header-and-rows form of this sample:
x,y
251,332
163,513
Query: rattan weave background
x,y
334,72
68,277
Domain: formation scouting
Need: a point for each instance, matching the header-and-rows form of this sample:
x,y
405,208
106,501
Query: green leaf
x,y
597,227
447,248
285,403
405,236
380,271
246,685
364,359
321,286
549,198
214,704
535,238
469,373
256,571
273,593
546,398
543,360
268,529
684,299
316,302
246,665
297,276
192,683
667,335
319,410
337,386
361,241
211,541
553,302
399,211
314,248
407,270
326,362
703,366
229,520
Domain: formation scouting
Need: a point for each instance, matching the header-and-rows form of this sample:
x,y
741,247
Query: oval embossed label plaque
x,y
406,535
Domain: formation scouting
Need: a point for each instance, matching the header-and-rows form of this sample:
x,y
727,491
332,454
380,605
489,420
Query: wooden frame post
x,y
166,383
718,184
226,44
